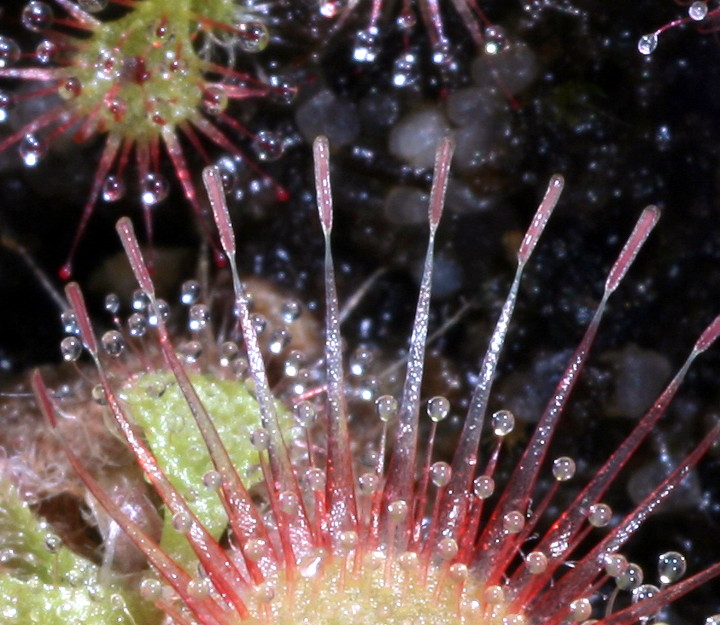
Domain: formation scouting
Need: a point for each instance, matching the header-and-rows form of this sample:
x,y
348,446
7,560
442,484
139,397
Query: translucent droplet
x,y
600,515
113,343
264,592
438,408
513,522
7,103
405,70
503,422
32,149
45,51
671,567
199,588
495,39
647,43
366,46
631,577
140,300
150,589
69,322
294,363
580,610
137,325
181,521
406,21
483,486
229,351
113,189
290,310
92,6
288,503
52,543
440,474
563,468
368,483
447,548
112,303
315,479
278,340
70,88
37,16
268,146
153,189
212,480
698,10
198,317
70,348
386,407
189,292
615,564
253,36
536,562
398,510
260,439
646,591
9,52
214,100
360,360
305,414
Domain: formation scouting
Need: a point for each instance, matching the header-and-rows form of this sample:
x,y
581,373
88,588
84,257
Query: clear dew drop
x,y
153,189
212,480
366,46
513,522
294,363
113,189
600,515
112,303
647,43
31,149
305,414
630,578
253,36
214,100
615,564
69,322
644,591
698,10
37,16
398,510
229,351
483,486
113,343
580,610
315,479
70,348
269,146
52,543
438,408
150,589
503,422
386,407
260,439
405,70
563,468
7,103
671,567
181,521
9,52
46,51
360,360
189,292
140,300
440,474
447,548
278,340
290,310
137,325
368,483
198,317
92,6
158,311
536,562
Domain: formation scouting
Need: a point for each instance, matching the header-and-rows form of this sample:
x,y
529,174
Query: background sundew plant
x,y
624,129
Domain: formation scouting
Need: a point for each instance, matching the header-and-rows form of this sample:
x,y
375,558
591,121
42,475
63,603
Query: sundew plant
x,y
289,522
150,77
